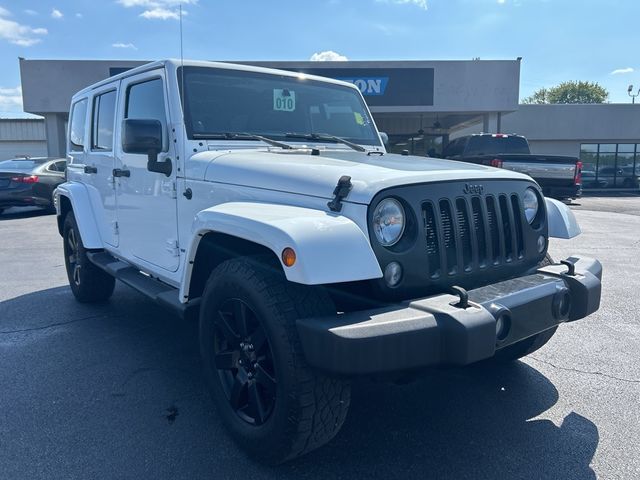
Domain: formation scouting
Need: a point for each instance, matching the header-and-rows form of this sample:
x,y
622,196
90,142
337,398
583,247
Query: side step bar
x,y
163,294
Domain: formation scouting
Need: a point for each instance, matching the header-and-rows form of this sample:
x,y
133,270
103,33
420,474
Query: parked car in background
x,y
30,182
559,176
620,177
590,180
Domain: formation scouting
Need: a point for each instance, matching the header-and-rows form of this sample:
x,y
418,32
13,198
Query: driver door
x,y
146,201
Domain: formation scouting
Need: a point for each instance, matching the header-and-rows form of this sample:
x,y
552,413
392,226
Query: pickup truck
x,y
262,203
559,176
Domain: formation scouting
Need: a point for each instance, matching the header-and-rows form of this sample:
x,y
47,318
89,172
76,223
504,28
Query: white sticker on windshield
x,y
284,100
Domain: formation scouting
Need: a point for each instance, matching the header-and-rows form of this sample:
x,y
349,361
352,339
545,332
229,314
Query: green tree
x,y
570,92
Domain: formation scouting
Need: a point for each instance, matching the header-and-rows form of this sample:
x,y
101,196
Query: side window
x,y
78,121
145,101
104,109
61,166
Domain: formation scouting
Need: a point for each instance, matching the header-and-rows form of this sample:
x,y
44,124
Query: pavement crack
x,y
51,325
586,372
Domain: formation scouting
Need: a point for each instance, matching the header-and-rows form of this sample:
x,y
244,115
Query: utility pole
x,y
630,93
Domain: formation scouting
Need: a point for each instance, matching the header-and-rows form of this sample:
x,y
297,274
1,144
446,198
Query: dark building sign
x,y
385,86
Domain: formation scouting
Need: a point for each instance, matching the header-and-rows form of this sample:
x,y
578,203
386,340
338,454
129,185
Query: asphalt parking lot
x,y
115,390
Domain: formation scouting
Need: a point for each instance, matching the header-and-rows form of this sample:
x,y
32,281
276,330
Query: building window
x,y
610,165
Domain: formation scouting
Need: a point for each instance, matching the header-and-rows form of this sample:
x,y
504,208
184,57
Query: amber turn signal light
x,y
288,257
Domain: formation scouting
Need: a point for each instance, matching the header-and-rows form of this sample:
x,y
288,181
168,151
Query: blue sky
x,y
594,40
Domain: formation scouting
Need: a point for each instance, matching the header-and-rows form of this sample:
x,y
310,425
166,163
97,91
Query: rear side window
x,y
104,109
78,122
145,101
60,166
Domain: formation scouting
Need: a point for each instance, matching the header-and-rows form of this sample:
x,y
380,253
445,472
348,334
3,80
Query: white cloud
x,y
11,99
328,56
419,3
619,71
28,11
55,13
124,45
79,15
158,9
161,14
501,1
18,34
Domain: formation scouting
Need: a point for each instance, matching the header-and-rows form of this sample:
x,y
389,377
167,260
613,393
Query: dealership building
x,y
421,105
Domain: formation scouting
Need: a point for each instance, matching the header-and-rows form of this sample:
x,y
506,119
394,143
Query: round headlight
x,y
388,222
531,204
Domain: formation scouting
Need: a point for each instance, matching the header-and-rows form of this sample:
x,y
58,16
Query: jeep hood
x,y
317,175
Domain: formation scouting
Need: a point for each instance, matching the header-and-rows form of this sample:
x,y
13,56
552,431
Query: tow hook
x,y
571,267
462,295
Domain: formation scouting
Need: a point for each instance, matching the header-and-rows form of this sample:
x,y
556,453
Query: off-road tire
x,y
88,283
528,345
309,407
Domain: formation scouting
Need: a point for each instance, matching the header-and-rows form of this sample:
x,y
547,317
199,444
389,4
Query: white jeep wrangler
x,y
264,201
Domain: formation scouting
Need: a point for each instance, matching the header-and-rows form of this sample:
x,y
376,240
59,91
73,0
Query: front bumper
x,y
435,331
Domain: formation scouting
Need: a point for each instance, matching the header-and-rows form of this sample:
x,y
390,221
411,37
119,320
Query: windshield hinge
x,y
341,191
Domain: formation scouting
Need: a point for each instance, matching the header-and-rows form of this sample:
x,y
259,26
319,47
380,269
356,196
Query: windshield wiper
x,y
326,137
240,136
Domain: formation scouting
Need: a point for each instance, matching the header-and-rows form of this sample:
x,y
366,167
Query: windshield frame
x,y
373,143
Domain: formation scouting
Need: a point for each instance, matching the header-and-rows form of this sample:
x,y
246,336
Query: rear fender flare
x,y
78,196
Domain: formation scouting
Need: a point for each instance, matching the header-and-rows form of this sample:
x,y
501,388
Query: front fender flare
x,y
78,196
562,221
329,248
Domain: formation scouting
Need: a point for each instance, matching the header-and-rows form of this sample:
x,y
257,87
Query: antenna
x,y
181,65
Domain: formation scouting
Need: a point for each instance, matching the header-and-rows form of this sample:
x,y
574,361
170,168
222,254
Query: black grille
x,y
472,233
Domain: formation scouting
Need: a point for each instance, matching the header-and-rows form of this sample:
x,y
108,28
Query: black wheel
x,y
531,344
275,405
88,283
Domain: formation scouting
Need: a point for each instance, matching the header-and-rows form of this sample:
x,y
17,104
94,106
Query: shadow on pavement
x,y
126,379
474,423
24,212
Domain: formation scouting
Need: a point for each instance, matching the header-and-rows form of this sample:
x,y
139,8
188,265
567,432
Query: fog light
x,y
393,274
542,243
561,304
503,325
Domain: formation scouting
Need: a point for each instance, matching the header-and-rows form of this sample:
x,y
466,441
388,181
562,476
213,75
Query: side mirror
x,y
385,138
144,137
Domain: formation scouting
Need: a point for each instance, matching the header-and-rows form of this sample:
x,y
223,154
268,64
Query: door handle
x,y
90,169
121,173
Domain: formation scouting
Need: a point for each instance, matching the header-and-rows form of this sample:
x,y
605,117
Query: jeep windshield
x,y
270,105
